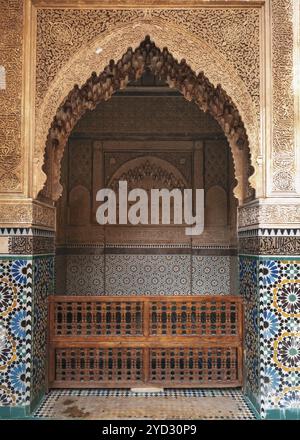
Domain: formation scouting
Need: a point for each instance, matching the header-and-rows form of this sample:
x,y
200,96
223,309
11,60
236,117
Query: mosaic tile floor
x,y
192,404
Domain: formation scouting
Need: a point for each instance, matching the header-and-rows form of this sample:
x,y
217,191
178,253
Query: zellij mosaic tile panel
x,y
24,287
15,331
279,323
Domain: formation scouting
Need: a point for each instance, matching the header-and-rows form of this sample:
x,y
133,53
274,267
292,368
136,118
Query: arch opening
x,y
116,76
168,277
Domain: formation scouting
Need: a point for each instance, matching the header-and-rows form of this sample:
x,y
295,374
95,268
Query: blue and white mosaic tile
x,y
24,287
279,283
271,288
15,331
43,286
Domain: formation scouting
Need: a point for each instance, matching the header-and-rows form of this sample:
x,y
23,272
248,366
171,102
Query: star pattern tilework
x,y
271,289
279,325
15,331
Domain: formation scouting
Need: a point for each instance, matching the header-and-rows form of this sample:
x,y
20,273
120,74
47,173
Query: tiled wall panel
x,y
25,283
250,293
15,330
211,275
148,274
271,288
279,319
43,286
84,275
119,274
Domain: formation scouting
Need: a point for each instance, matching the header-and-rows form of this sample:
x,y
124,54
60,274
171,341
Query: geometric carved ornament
x,y
130,67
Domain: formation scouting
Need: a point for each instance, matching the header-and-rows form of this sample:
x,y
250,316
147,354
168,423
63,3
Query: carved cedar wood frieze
x,y
116,75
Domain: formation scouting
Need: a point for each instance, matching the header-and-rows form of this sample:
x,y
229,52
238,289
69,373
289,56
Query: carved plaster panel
x,y
148,172
179,41
269,215
11,53
180,160
27,213
231,31
215,48
283,157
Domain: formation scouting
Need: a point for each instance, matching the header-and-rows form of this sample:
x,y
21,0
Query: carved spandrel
x,y
133,63
232,31
202,56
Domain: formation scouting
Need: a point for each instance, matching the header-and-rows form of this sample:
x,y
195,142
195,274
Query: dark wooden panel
x,y
131,341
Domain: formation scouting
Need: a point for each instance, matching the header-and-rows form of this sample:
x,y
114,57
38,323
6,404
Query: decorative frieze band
x,y
145,250
26,214
269,216
21,245
270,232
289,246
26,231
26,241
270,242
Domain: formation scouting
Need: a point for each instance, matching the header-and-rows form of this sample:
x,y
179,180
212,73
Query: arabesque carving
x,y
27,213
11,56
283,151
116,75
181,161
114,42
269,215
233,31
222,41
147,173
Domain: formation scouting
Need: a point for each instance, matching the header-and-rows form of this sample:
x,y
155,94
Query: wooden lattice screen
x,y
145,341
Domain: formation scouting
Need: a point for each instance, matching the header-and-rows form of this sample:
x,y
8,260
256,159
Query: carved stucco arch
x,y
199,56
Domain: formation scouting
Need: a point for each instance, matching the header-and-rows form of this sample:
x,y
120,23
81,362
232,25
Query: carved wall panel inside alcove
x,y
150,136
